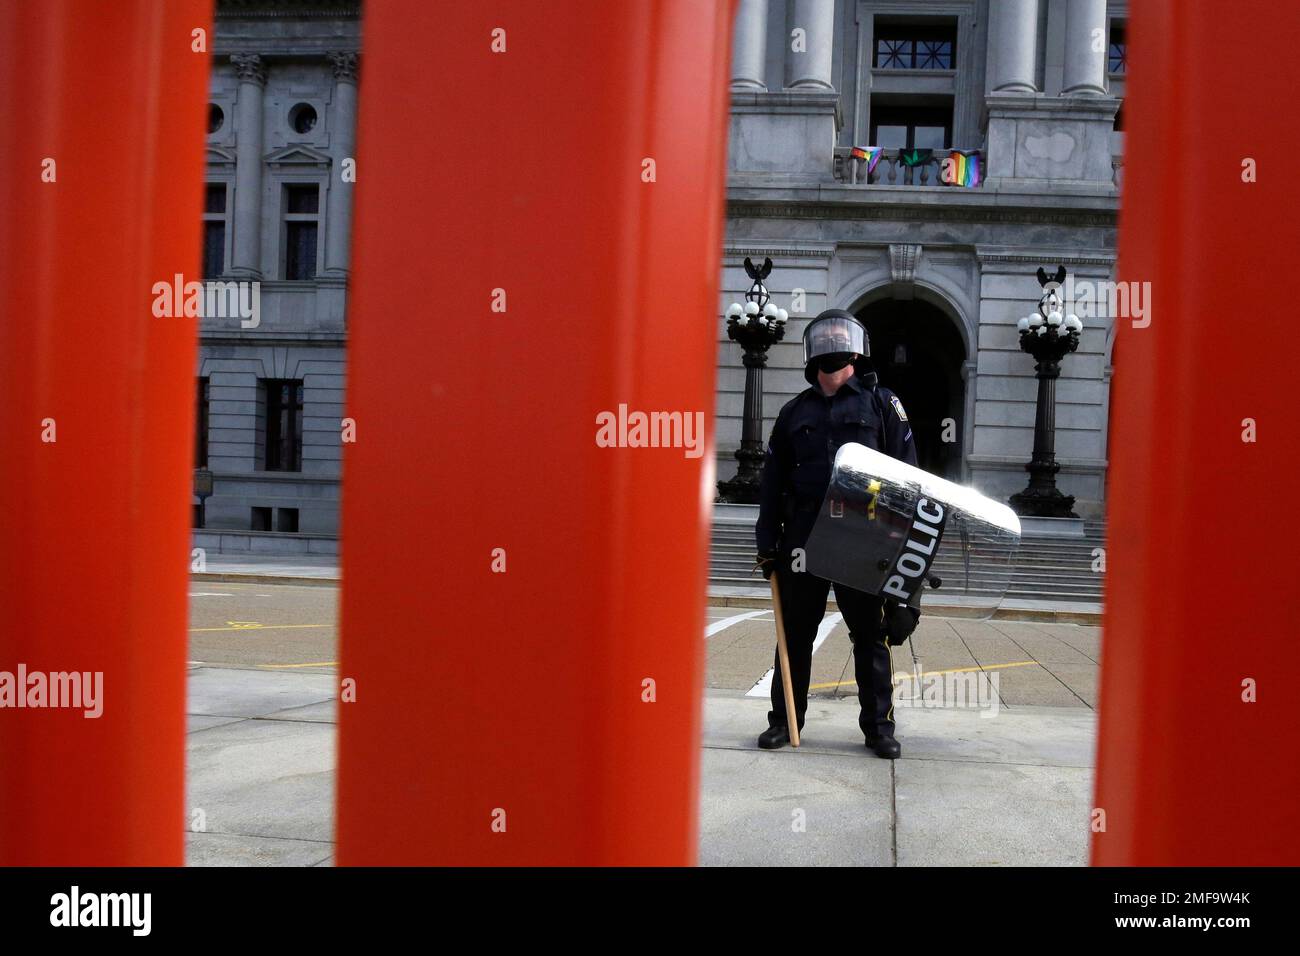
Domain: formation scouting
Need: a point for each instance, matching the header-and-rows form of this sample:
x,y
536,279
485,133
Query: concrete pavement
x,y
260,767
1010,609
1030,663
1010,790
994,774
308,569
982,791
267,569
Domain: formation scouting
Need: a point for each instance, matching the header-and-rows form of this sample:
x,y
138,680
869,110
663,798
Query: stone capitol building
x,y
278,211
843,113
938,272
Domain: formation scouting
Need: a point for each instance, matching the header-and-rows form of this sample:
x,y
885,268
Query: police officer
x,y
843,404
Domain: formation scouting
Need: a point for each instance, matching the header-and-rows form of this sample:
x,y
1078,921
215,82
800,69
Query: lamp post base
x,y
1043,503
743,489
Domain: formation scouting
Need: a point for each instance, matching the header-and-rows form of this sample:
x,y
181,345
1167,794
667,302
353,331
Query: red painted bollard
x,y
539,225
1198,720
101,172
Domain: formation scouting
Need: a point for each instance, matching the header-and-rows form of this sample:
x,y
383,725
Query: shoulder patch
x,y
898,407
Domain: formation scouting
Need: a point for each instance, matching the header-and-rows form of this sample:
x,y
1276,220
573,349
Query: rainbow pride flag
x,y
870,154
962,168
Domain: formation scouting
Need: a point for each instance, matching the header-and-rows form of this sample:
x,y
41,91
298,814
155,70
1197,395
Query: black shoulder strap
x,y
879,400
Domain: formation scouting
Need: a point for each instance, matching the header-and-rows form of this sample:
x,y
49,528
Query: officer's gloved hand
x,y
900,622
766,562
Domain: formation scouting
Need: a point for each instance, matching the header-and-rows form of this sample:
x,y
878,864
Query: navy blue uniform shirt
x,y
808,432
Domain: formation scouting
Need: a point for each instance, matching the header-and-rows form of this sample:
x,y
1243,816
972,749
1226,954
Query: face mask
x,y
830,364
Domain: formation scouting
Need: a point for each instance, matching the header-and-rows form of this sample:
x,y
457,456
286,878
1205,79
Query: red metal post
x,y
1197,753
101,133
540,192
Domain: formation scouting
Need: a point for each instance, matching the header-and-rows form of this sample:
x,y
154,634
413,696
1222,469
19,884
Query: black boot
x,y
884,746
774,738
872,667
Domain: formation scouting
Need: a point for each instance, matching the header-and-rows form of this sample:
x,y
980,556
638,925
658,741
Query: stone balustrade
x,y
890,170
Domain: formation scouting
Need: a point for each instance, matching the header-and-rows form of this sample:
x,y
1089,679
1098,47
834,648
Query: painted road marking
x,y
333,584
254,626
764,686
229,664
901,676
210,594
276,667
726,622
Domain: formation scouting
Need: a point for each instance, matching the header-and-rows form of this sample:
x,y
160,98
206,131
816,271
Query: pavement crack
x,y
1040,664
978,663
1057,637
893,813
258,836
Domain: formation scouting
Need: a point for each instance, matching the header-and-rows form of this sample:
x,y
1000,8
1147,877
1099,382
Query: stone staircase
x,y
1047,568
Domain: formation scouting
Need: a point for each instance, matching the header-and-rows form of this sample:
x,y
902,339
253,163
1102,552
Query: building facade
x,y
278,213
939,271
1030,90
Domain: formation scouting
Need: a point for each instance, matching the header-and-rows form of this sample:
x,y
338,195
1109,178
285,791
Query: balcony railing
x,y
891,170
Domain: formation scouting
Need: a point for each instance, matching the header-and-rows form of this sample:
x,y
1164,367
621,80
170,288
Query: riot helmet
x,y
831,341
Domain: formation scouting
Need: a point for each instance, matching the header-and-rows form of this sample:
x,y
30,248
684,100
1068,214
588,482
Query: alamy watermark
x,y
633,429
77,690
974,689
1096,298
75,908
209,300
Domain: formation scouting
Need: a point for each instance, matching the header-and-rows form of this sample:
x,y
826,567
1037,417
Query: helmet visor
x,y
833,335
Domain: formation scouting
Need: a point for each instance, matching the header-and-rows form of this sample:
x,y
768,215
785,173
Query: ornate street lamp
x,y
757,326
1048,335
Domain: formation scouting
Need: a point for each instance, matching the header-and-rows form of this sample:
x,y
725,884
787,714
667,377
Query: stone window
x,y
900,126
1117,54
911,46
301,230
281,426
286,519
214,230
302,118
201,439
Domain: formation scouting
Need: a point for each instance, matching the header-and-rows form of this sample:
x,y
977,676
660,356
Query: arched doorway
x,y
918,354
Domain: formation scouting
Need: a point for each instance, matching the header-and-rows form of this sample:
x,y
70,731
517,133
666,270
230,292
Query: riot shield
x,y
889,528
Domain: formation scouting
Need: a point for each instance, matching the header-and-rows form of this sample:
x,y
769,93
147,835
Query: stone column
x,y
1013,46
246,256
969,375
1085,64
749,46
343,127
809,69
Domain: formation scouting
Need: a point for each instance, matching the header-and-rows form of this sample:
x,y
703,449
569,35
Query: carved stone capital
x,y
249,67
346,66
